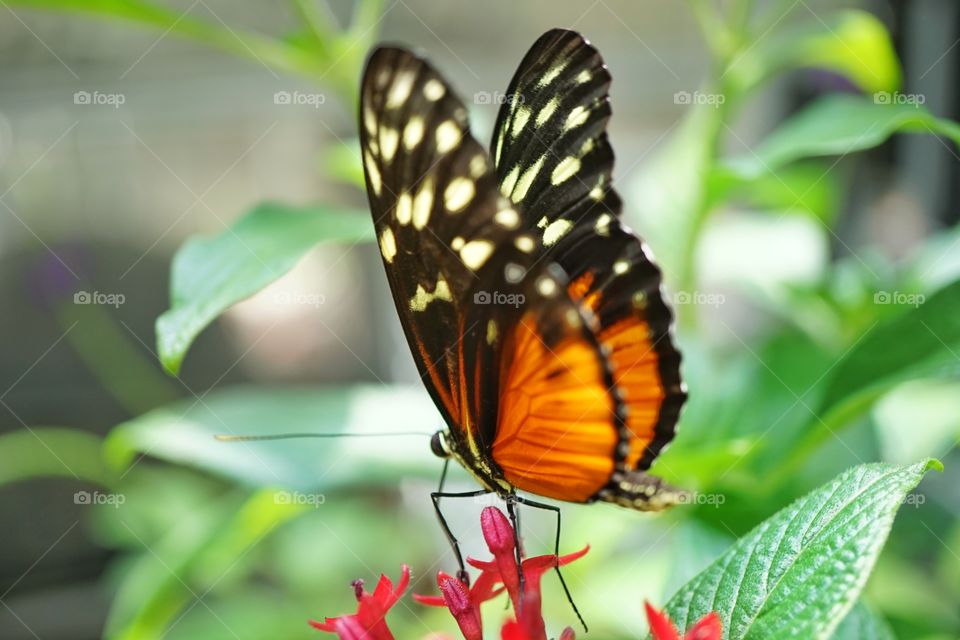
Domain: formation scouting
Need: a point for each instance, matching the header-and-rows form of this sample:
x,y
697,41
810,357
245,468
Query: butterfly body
x,y
533,314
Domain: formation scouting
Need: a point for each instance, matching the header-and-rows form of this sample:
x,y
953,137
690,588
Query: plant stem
x,y
724,49
320,27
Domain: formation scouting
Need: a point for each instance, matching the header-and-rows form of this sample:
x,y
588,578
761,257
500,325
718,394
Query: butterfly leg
x,y
454,544
514,514
556,551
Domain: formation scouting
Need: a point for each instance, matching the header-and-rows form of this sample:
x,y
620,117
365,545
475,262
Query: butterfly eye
x,y
438,445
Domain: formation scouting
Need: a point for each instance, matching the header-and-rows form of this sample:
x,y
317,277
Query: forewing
x,y
460,266
550,142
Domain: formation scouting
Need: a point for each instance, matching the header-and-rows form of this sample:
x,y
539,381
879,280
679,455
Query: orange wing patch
x,y
636,373
635,367
556,433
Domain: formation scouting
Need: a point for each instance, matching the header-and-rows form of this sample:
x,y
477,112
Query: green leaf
x,y
40,452
863,624
853,43
838,125
800,572
910,597
183,433
191,558
342,162
210,274
668,191
922,342
807,188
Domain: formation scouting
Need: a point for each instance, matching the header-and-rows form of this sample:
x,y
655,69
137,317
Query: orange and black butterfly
x,y
534,315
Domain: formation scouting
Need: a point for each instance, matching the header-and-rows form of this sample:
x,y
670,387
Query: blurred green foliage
x,y
830,375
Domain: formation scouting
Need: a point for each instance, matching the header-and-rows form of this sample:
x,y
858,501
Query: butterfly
x,y
534,315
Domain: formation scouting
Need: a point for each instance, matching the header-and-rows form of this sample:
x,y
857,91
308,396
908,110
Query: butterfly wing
x,y
554,161
550,141
415,151
465,276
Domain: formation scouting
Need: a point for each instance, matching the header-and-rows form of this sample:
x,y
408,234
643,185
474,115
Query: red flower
x,y
368,622
661,627
498,575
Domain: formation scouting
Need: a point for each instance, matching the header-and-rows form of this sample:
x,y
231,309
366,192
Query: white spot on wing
x,y
400,90
508,218
433,90
478,165
620,267
523,184
583,76
422,298
457,243
404,210
442,290
567,168
547,111
413,133
551,75
597,192
475,253
514,273
388,244
448,136
491,331
389,138
577,117
369,120
525,243
520,119
373,172
458,194
602,225
556,230
423,204
547,287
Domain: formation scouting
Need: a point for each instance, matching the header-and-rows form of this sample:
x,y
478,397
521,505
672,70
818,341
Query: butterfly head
x,y
439,445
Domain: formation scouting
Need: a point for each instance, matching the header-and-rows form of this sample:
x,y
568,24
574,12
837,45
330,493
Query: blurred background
x,y
793,164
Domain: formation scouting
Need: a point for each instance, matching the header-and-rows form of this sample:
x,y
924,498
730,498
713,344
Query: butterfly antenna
x,y
290,436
